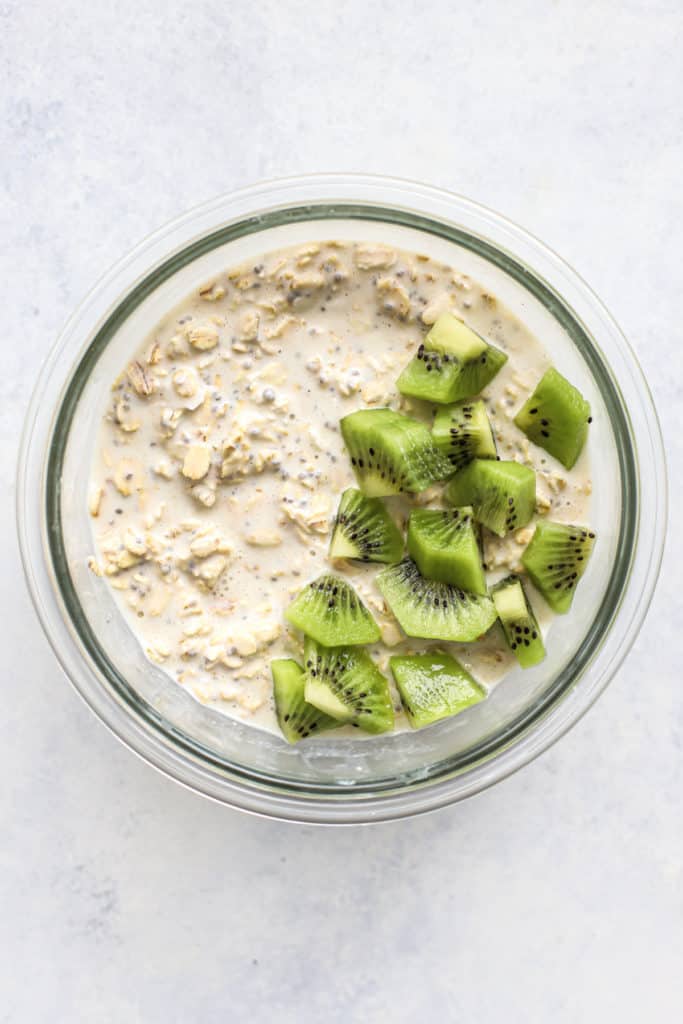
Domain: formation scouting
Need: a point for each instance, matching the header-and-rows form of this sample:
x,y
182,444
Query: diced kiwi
x,y
433,686
556,417
502,494
391,453
451,363
330,611
445,546
556,559
296,717
463,432
344,682
365,530
434,610
518,621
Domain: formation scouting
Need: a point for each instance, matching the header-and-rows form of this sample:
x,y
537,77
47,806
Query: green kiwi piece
x,y
296,717
445,546
391,452
344,682
364,530
433,686
518,621
556,417
463,432
555,560
431,609
451,363
330,611
502,494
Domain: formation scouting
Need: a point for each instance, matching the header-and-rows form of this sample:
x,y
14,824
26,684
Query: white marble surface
x,y
557,896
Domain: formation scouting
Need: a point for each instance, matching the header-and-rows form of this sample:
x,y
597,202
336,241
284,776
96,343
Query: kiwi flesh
x,y
296,717
433,686
345,683
391,452
463,432
556,417
518,621
445,546
432,609
330,611
364,529
556,559
452,362
502,494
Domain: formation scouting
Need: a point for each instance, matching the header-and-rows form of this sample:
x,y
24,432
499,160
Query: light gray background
x,y
557,896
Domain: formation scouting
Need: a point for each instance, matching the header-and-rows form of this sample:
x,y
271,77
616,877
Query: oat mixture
x,y
220,462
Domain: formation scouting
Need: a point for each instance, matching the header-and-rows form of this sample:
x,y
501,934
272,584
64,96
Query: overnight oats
x,y
342,487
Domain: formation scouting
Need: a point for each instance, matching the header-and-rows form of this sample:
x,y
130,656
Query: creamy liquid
x,y
220,462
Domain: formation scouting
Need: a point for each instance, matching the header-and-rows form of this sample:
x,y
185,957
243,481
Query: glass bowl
x,y
336,780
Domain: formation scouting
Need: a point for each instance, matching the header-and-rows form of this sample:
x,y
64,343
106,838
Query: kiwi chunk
x,y
344,682
391,453
556,559
433,686
556,417
445,546
502,494
431,609
518,621
364,529
451,363
330,611
463,432
296,717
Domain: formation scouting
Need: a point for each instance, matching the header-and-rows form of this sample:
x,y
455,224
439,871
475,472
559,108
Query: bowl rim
x,y
337,192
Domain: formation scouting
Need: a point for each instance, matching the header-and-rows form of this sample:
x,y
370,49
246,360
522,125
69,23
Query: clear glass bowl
x,y
339,780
